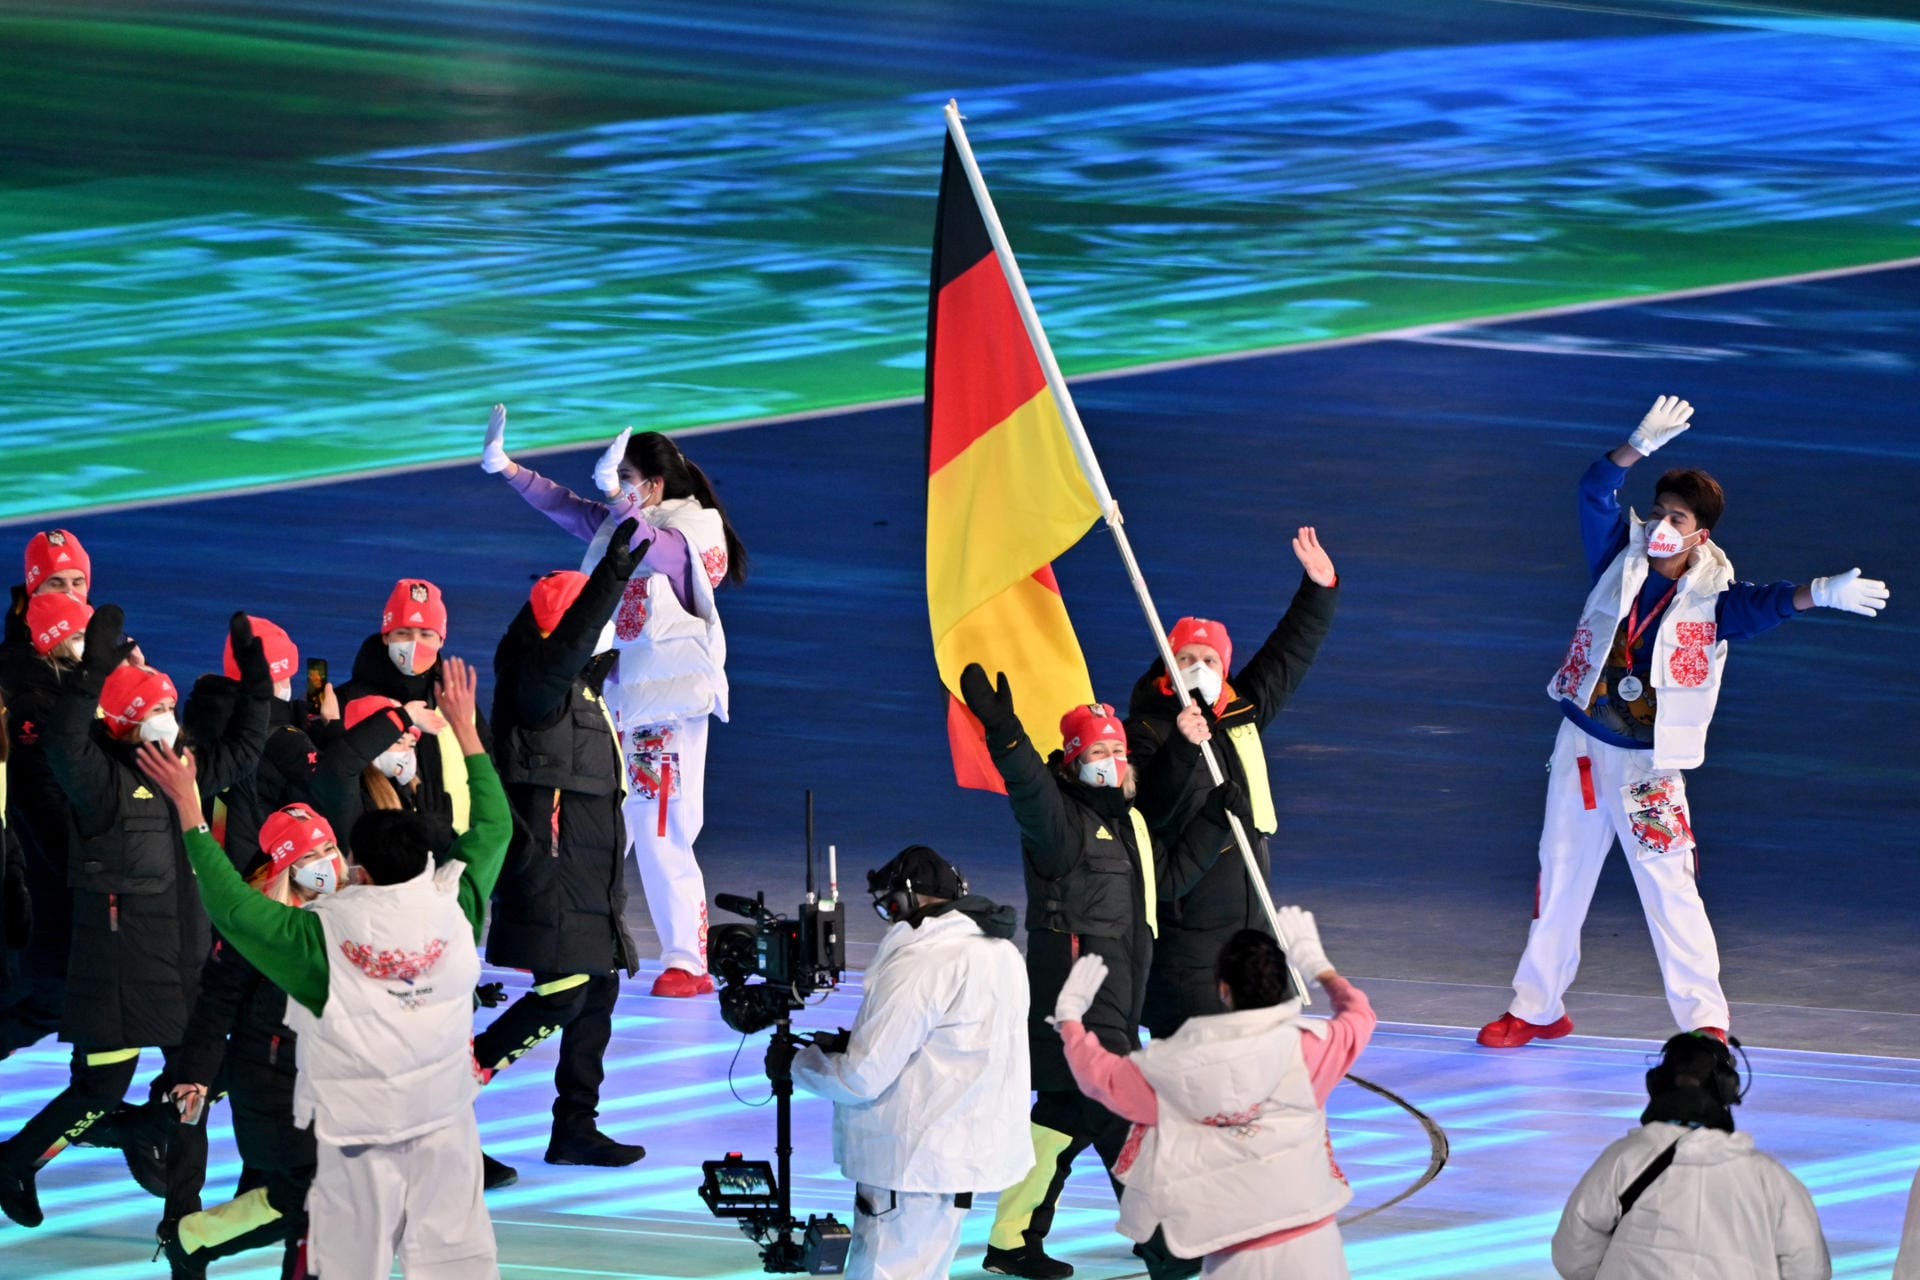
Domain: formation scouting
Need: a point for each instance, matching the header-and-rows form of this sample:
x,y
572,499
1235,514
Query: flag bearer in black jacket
x,y
139,932
1093,876
559,907
238,1042
1231,710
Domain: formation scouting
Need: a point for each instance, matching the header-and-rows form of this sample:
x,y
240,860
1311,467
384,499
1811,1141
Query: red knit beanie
x,y
129,694
290,834
374,704
283,656
51,552
1203,631
55,618
553,595
1087,724
415,602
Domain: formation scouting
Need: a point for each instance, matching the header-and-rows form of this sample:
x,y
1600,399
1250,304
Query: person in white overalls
x,y
1636,693
671,673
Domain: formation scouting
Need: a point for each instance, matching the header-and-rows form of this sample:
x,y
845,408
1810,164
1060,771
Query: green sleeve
x,y
284,943
483,847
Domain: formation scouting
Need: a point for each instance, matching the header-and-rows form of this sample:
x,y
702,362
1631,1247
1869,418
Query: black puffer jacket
x,y
560,904
1086,894
37,814
139,932
374,673
284,776
1174,782
239,1017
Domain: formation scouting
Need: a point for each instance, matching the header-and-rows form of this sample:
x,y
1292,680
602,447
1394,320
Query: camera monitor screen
x,y
736,1188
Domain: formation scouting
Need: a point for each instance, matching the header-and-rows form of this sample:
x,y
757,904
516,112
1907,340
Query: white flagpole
x,y
1109,509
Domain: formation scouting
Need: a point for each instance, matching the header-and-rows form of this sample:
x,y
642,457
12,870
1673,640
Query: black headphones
x,y
894,902
1722,1083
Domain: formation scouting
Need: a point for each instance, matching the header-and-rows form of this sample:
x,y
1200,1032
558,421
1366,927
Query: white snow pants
x,y
1317,1255
1595,794
669,759
902,1235
419,1198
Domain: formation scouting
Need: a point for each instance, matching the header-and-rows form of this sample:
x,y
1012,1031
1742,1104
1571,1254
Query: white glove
x,y
493,454
1667,419
1300,937
1851,592
606,472
1084,980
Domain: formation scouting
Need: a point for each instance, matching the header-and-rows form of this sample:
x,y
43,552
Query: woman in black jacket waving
x,y
139,932
559,907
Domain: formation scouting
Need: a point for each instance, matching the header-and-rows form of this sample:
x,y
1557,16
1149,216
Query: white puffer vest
x,y
673,663
1688,655
1241,1147
389,1057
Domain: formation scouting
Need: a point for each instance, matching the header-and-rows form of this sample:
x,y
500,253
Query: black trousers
x,y
583,1015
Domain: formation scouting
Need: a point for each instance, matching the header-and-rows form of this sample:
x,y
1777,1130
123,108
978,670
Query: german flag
x,y
1005,494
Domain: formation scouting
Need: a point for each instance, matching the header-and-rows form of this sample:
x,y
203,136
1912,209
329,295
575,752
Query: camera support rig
x,y
796,958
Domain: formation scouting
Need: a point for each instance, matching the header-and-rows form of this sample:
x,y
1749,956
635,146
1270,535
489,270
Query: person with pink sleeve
x,y
1229,1152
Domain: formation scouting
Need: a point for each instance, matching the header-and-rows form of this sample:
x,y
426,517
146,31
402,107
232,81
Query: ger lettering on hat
x,y
55,618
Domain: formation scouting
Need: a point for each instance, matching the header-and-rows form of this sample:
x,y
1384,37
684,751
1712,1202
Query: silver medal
x,y
1630,688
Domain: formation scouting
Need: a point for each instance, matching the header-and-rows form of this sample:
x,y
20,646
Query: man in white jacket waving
x,y
930,1088
1684,1195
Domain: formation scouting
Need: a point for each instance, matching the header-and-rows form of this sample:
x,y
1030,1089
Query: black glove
x,y
621,558
16,921
489,995
256,675
832,1041
107,643
780,1051
992,705
1229,796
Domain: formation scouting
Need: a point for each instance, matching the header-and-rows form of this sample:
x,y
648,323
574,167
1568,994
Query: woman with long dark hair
x,y
670,674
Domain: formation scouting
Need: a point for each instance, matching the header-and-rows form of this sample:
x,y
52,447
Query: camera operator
x,y
1685,1187
929,1089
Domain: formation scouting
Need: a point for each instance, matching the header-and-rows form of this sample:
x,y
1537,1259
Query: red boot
x,y
1718,1033
1509,1032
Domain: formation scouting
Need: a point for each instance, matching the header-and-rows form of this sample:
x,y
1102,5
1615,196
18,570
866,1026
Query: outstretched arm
x,y
1276,670
483,846
282,942
1038,807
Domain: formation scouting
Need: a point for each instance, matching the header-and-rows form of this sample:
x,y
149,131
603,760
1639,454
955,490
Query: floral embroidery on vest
x,y
1690,662
1573,672
385,965
714,561
632,616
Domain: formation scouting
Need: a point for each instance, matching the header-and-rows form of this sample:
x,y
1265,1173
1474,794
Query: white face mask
x,y
413,656
161,728
1665,540
1104,773
1204,678
605,642
283,690
322,877
398,765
